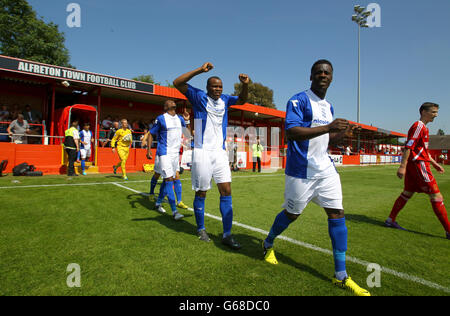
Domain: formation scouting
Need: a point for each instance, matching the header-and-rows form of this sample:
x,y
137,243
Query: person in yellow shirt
x,y
122,140
257,150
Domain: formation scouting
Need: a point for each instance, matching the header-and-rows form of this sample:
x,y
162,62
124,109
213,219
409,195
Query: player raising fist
x,y
210,159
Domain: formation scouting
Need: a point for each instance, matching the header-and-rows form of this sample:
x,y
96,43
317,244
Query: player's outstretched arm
x,y
304,133
181,82
187,120
149,146
243,96
145,139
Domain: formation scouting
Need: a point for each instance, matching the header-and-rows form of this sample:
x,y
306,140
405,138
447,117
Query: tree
x,y
23,35
151,79
440,132
258,94
146,78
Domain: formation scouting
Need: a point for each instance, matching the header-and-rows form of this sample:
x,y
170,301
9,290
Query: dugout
x,y
84,114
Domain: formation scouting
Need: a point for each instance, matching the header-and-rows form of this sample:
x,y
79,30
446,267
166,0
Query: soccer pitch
x,y
123,247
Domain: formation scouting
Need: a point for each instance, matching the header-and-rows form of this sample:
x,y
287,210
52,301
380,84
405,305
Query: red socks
x,y
398,205
441,213
438,208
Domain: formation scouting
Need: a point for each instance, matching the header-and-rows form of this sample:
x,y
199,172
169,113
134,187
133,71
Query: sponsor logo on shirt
x,y
321,122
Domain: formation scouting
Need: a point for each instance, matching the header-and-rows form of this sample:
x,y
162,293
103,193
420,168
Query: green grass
x,y
125,248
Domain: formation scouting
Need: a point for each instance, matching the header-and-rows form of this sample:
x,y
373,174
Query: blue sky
x,y
404,63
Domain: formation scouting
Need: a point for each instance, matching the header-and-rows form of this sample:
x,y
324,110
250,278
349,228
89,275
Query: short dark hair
x,y
87,124
427,106
320,62
210,78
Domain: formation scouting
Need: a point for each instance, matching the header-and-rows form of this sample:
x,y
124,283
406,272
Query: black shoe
x,y
231,242
203,236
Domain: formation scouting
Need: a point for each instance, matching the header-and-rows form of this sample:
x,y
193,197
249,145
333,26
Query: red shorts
x,y
418,178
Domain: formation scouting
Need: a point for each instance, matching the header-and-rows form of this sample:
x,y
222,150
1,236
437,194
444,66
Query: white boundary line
x,y
400,275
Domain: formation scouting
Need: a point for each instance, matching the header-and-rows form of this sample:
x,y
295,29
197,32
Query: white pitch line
x,y
400,275
63,185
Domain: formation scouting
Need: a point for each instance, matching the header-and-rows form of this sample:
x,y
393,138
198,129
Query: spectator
x,y
30,115
14,113
142,125
348,150
135,126
111,133
4,113
35,130
4,117
20,127
72,146
257,150
106,123
150,125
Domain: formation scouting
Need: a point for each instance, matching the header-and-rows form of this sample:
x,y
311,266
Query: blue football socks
x,y
338,234
177,186
279,226
226,209
162,193
168,190
199,211
153,183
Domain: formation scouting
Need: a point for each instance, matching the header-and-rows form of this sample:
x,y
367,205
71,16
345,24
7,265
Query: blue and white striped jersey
x,y
309,159
210,118
168,129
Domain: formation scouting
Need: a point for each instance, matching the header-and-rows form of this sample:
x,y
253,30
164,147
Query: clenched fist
x,y
245,79
207,67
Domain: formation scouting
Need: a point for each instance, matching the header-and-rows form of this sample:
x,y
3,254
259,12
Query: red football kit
x,y
418,176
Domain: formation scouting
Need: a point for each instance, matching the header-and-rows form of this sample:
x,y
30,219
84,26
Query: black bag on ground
x,y
20,170
25,169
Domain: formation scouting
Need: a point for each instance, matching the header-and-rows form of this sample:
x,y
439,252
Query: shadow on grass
x,y
363,219
164,219
376,222
251,246
114,176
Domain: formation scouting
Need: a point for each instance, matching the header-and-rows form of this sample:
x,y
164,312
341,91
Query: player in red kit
x,y
415,169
